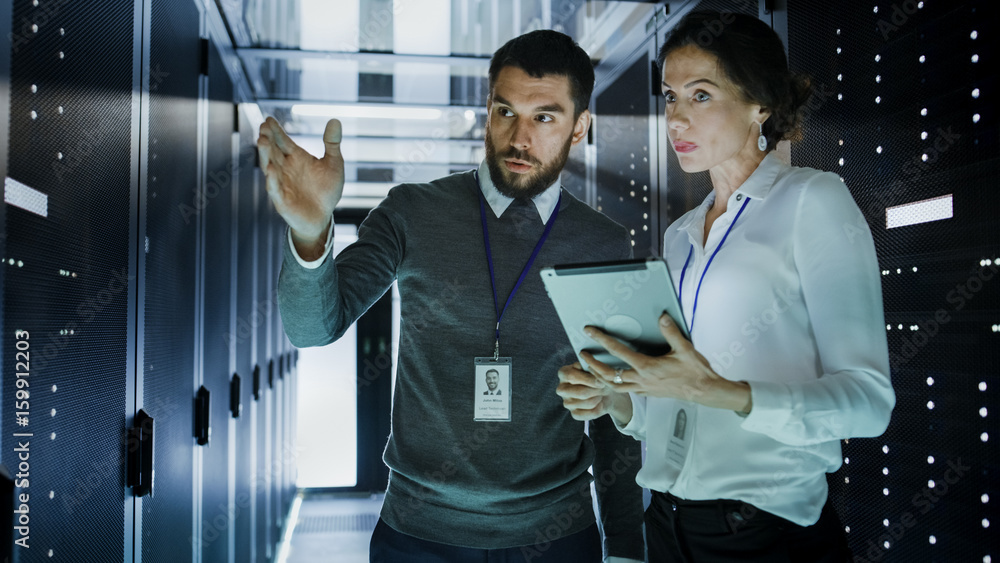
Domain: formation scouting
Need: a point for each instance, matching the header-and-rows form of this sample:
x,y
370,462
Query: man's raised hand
x,y
303,188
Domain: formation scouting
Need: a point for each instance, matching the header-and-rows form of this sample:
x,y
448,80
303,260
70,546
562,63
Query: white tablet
x,y
624,298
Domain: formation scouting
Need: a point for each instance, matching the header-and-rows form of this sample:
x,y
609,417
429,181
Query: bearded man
x,y
467,484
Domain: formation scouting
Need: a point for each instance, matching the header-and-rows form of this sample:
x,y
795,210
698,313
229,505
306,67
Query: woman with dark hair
x,y
777,275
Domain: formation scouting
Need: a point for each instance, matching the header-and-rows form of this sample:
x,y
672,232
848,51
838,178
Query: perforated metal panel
x,y
625,165
218,211
266,306
66,275
245,315
172,214
337,523
897,113
279,458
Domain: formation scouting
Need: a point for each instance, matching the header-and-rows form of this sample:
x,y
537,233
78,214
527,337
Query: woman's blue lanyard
x,y
489,259
680,294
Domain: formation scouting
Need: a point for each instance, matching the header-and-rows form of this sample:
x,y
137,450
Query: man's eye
x,y
505,112
545,118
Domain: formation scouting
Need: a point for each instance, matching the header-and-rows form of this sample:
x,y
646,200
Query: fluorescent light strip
x,y
925,211
285,545
29,199
254,115
365,111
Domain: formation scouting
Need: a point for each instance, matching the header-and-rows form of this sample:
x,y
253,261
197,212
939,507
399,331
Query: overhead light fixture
x,y
373,111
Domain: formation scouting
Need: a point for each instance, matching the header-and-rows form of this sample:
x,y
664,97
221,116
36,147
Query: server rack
x,y
137,245
69,282
902,112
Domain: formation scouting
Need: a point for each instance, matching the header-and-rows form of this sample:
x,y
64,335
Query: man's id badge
x,y
492,391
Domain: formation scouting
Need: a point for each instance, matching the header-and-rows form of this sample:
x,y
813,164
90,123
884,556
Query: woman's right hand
x,y
587,397
303,188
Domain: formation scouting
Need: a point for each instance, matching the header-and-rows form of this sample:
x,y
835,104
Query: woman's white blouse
x,y
792,304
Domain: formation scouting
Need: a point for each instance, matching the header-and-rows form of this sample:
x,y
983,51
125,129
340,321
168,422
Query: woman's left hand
x,y
682,373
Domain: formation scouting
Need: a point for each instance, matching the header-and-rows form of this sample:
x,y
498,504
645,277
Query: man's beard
x,y
525,186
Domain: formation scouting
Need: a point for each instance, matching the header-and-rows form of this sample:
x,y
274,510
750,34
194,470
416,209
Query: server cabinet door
x,y
173,212
903,109
264,411
221,167
625,139
68,285
278,459
247,318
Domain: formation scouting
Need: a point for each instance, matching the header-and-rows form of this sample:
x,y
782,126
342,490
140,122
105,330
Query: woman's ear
x,y
762,115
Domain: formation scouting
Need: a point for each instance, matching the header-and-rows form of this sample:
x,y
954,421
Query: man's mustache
x,y
519,155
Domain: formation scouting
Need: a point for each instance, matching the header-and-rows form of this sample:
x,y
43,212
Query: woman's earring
x,y
761,139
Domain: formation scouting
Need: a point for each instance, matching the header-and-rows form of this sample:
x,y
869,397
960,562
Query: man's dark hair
x,y
544,52
752,57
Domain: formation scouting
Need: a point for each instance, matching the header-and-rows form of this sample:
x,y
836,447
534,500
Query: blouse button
x,y
739,197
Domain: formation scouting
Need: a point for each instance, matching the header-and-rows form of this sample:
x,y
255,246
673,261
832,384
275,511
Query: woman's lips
x,y
684,146
517,166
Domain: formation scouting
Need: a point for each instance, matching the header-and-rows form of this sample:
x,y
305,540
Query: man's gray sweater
x,y
454,480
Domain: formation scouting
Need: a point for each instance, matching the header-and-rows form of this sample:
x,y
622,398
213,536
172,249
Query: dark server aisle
x,y
146,379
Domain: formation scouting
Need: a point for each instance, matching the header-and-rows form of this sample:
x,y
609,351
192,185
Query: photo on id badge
x,y
492,394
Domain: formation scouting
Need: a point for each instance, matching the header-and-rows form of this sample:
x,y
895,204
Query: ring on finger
x,y
618,376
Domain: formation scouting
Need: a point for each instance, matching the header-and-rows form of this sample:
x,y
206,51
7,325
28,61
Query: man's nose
x,y
520,136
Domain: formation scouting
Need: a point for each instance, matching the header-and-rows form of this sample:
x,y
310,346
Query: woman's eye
x,y
669,96
702,97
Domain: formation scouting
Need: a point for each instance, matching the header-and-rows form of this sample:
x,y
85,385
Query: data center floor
x,y
333,528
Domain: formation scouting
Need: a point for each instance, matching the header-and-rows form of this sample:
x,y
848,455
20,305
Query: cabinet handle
x,y
235,404
140,453
203,416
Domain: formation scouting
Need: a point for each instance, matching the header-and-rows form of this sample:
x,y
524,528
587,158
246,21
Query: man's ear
x,y
581,126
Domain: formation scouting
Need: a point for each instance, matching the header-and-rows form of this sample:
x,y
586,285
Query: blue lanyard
x,y
680,294
489,259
